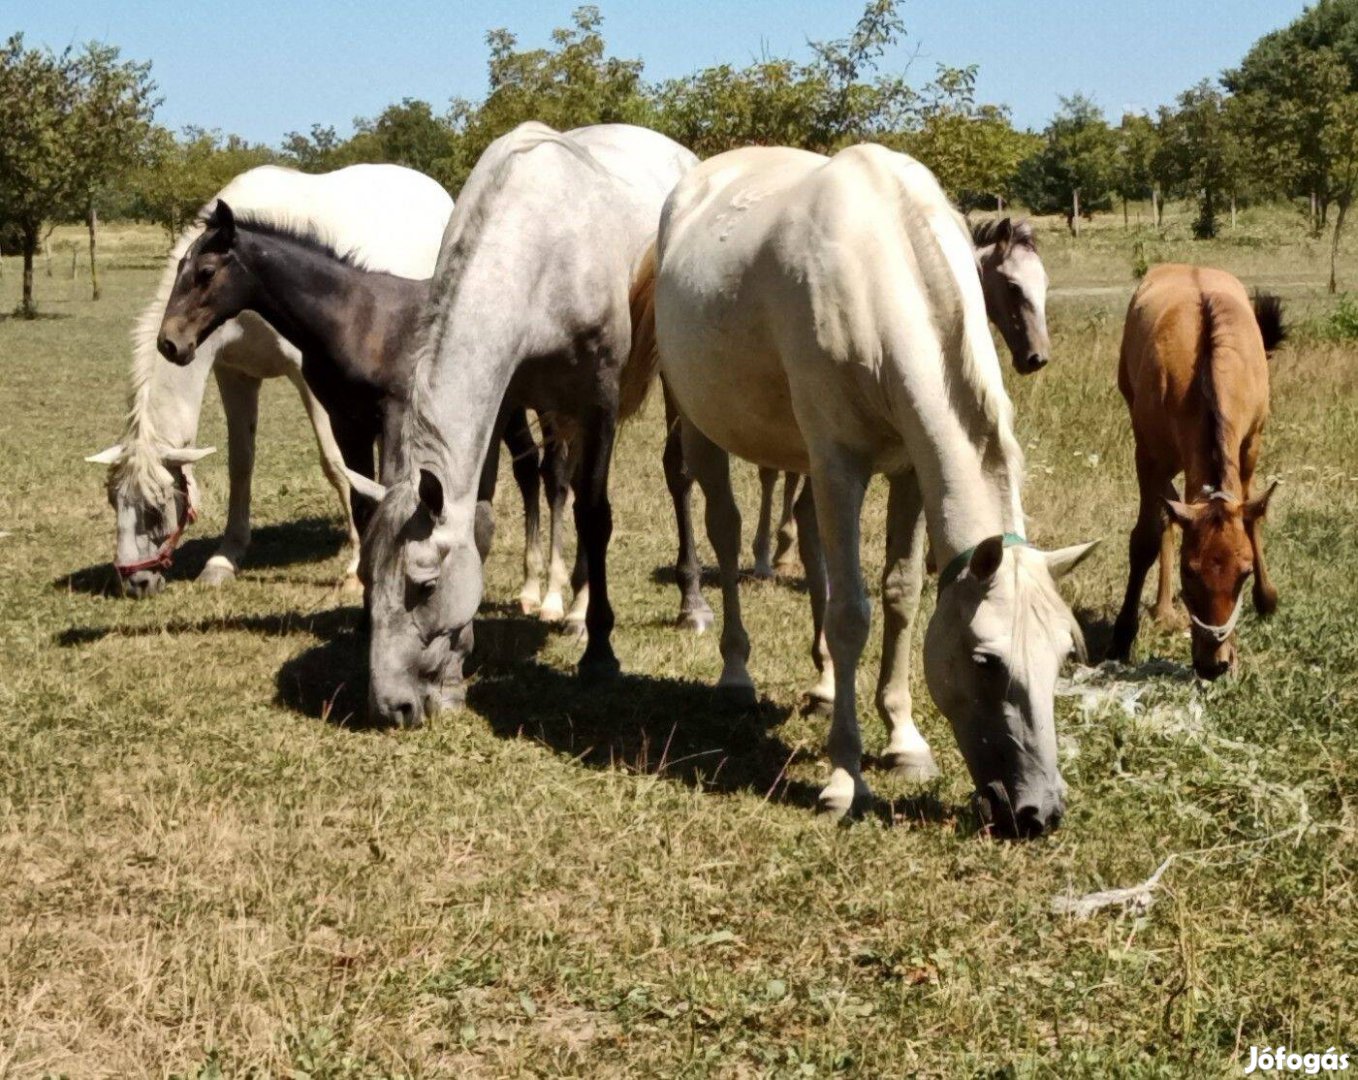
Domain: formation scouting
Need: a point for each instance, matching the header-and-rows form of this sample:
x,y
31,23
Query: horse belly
x,y
731,385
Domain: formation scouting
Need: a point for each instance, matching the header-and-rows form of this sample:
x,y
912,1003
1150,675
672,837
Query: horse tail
x,y
1268,313
643,362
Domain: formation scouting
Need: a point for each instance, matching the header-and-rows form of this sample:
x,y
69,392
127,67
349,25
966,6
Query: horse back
x,y
1180,319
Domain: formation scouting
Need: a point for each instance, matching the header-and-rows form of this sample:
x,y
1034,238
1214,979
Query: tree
x,y
1073,172
37,104
1341,149
1202,152
111,127
571,84
1134,164
181,175
973,150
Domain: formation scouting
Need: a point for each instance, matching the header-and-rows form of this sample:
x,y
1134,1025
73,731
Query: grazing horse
x,y
352,326
531,302
1194,372
824,315
1014,282
389,216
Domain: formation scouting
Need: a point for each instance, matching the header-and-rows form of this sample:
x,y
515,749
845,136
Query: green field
x,y
208,866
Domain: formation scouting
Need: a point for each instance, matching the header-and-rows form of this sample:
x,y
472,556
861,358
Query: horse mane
x,y
300,229
1268,313
1204,384
983,233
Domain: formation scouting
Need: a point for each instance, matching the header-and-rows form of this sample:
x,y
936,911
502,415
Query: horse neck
x,y
470,350
166,399
969,465
317,302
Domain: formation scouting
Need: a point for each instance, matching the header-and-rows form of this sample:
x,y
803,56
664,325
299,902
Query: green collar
x,y
954,569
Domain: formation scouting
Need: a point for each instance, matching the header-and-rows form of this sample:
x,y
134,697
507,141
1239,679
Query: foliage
x,y
182,174
1134,169
1199,153
1341,323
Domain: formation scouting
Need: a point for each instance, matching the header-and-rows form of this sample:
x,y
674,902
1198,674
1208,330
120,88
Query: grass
x,y
207,870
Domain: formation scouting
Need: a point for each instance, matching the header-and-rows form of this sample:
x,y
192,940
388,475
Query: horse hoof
x,y
599,669
815,705
763,571
736,695
575,629
553,609
698,621
915,766
1266,603
839,796
217,572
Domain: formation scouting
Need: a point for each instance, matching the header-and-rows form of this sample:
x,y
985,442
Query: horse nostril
x,y
1029,822
1036,362
167,349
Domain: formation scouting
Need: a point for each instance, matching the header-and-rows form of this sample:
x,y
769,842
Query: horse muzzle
x,y
142,584
1032,818
173,351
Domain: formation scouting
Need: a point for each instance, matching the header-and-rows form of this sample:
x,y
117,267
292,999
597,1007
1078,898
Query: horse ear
x,y
1063,560
111,456
431,494
365,486
1004,238
1257,508
186,455
223,219
1182,514
985,560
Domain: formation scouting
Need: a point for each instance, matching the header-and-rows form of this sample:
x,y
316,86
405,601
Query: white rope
x,y
1219,634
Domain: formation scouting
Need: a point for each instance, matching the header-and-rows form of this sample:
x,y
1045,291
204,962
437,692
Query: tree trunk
x,y
1075,214
1155,205
27,308
93,221
1315,218
1125,223
1334,243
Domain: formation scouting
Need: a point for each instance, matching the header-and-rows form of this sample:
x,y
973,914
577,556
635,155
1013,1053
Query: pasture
x,y
210,866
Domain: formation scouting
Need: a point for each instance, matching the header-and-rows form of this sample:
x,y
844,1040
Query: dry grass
x,y
200,876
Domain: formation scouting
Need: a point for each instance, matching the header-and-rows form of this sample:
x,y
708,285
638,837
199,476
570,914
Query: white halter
x,y
1219,634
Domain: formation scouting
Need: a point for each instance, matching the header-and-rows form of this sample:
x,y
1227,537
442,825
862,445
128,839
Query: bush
x,y
1342,323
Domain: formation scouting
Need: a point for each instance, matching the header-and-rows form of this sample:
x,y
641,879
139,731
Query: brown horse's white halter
x,y
163,559
1221,633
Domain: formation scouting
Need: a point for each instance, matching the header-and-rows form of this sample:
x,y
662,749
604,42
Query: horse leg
x,y
821,697
332,464
1163,612
694,612
1142,548
763,564
523,455
840,481
902,578
1263,592
711,467
594,528
556,478
785,552
240,401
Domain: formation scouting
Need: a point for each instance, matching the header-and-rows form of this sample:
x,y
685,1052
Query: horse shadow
x,y
1097,628
324,624
710,578
312,539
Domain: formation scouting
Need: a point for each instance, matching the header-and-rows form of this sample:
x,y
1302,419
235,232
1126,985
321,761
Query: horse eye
x,y
205,274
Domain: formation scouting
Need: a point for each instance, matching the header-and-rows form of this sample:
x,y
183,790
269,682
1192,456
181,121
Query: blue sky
x,y
263,69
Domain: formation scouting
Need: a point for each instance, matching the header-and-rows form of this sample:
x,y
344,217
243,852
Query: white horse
x,y
531,303
392,218
824,315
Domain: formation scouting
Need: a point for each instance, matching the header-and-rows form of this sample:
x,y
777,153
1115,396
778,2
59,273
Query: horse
x,y
351,325
532,302
1193,369
1014,282
393,217
824,316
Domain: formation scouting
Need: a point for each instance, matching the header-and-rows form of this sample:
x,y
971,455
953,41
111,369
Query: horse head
x,y
210,287
1015,285
1215,561
992,652
154,499
421,572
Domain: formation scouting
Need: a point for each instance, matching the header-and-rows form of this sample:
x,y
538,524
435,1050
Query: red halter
x,y
163,559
